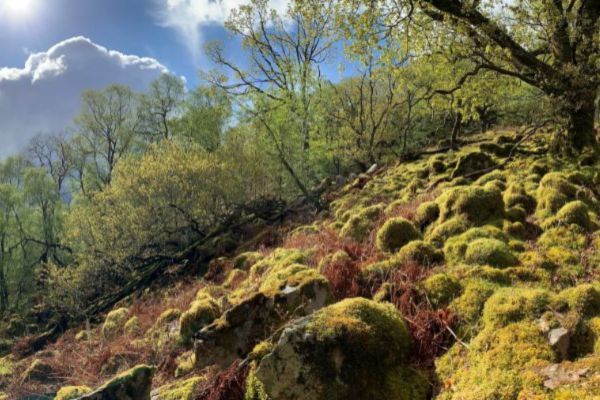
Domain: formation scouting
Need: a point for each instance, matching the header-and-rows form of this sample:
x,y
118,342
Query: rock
x,y
354,349
352,176
134,384
340,181
472,162
239,329
557,375
371,169
560,340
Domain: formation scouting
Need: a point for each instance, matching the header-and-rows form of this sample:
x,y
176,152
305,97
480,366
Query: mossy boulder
x,y
469,305
476,204
583,299
497,365
115,322
426,214
471,163
515,195
441,289
203,310
492,252
439,233
133,384
246,260
554,191
132,326
182,390
72,392
420,252
395,233
356,348
509,305
455,247
360,224
573,213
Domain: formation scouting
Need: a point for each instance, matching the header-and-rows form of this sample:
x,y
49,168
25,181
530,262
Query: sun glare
x,y
17,8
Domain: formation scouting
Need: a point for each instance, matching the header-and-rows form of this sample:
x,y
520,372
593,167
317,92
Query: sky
x,y
52,50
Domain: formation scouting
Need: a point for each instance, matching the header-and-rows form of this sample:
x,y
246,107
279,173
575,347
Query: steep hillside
x,y
469,274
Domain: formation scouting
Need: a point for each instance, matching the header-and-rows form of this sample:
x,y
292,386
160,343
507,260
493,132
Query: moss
x,y
183,390
509,305
442,232
472,162
246,260
470,304
132,326
360,224
497,364
255,390
202,312
292,276
441,289
280,258
82,336
134,380
583,299
490,252
569,237
516,214
456,247
115,322
356,348
426,214
72,392
395,233
476,204
168,316
234,278
492,176
186,363
495,185
515,195
260,350
420,252
436,165
6,366
572,213
553,193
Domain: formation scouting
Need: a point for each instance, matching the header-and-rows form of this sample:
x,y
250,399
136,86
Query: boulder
x,y
134,384
354,349
560,340
472,162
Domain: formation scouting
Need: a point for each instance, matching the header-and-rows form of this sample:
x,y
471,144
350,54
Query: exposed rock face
x,y
236,333
134,384
354,349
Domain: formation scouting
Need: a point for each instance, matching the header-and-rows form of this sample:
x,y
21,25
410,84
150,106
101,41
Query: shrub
x,y
395,233
490,252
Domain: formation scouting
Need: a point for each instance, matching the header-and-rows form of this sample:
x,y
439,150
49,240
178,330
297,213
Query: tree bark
x,y
580,110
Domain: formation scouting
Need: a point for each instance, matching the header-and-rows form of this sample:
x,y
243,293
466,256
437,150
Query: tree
x,y
160,105
53,153
551,45
107,124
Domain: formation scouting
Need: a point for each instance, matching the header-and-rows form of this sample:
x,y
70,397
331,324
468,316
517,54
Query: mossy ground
x,y
491,257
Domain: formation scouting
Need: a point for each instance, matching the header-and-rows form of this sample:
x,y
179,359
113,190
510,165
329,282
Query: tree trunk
x,y
579,109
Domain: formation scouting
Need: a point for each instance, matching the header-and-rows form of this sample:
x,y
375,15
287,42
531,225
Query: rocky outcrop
x,y
134,384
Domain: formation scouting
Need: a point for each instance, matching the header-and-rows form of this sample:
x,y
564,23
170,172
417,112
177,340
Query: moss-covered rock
x,y
583,299
516,195
472,162
395,233
72,392
497,365
356,348
182,390
133,384
445,230
492,252
509,305
470,304
202,312
476,204
420,252
455,247
554,191
360,224
573,213
132,326
426,214
246,260
115,322
441,289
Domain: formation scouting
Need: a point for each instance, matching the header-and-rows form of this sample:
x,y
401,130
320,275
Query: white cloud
x,y
43,96
187,17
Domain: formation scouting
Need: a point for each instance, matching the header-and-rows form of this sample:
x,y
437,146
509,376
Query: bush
x,y
395,233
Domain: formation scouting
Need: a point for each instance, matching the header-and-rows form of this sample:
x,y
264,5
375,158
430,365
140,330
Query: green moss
x,y
516,196
456,247
476,204
436,165
553,193
569,237
234,278
293,276
492,176
202,312
186,363
395,233
131,381
360,224
115,322
442,232
132,326
490,252
246,260
472,162
72,392
509,305
280,258
516,214
183,390
6,366
82,336
168,316
497,364
441,289
420,252
470,304
260,350
255,390
583,299
426,214
572,213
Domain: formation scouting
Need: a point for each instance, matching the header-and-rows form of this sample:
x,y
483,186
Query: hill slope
x,y
461,275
